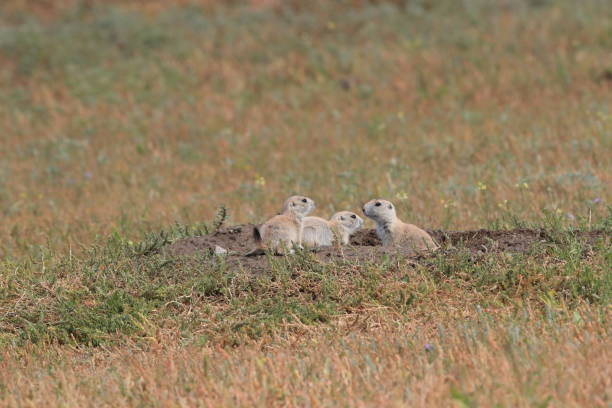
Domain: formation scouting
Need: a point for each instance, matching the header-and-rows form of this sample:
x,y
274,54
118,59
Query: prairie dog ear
x,y
341,218
390,207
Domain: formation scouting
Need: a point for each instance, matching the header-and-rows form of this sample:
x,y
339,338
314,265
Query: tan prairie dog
x,y
393,232
319,232
280,233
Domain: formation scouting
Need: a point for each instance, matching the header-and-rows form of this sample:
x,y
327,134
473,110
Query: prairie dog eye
x,y
304,200
377,204
353,216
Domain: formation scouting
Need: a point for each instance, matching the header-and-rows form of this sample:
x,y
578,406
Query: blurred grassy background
x,y
128,115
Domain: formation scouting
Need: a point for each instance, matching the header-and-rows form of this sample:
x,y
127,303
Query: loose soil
x,y
365,245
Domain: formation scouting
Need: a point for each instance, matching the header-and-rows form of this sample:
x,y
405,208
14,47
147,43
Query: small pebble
x,y
219,251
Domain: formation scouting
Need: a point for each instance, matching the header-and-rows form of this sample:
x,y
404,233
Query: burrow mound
x,y
365,245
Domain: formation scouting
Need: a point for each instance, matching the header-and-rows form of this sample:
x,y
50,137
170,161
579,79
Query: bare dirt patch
x,y
365,245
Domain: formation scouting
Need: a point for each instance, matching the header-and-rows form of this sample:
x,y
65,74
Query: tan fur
x,y
393,232
319,232
280,233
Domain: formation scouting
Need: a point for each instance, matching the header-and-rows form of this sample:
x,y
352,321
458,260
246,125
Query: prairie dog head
x,y
380,211
349,220
298,205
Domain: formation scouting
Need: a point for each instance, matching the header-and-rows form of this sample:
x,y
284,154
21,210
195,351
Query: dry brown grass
x,y
379,361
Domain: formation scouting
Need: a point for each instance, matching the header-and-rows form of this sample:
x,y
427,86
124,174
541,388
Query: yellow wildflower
x,y
260,181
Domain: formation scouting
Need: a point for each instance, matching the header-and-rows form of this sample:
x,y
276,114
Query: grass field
x,y
122,119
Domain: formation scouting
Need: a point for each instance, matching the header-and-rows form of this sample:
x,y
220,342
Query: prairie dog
x,y
319,232
282,231
393,232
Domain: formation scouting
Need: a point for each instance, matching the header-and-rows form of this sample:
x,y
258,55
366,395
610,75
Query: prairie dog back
x,y
316,232
319,232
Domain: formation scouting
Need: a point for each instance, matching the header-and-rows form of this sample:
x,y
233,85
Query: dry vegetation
x,y
120,119
370,363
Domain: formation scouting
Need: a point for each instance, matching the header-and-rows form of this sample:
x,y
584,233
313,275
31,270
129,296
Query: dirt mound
x,y
518,240
365,245
237,239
